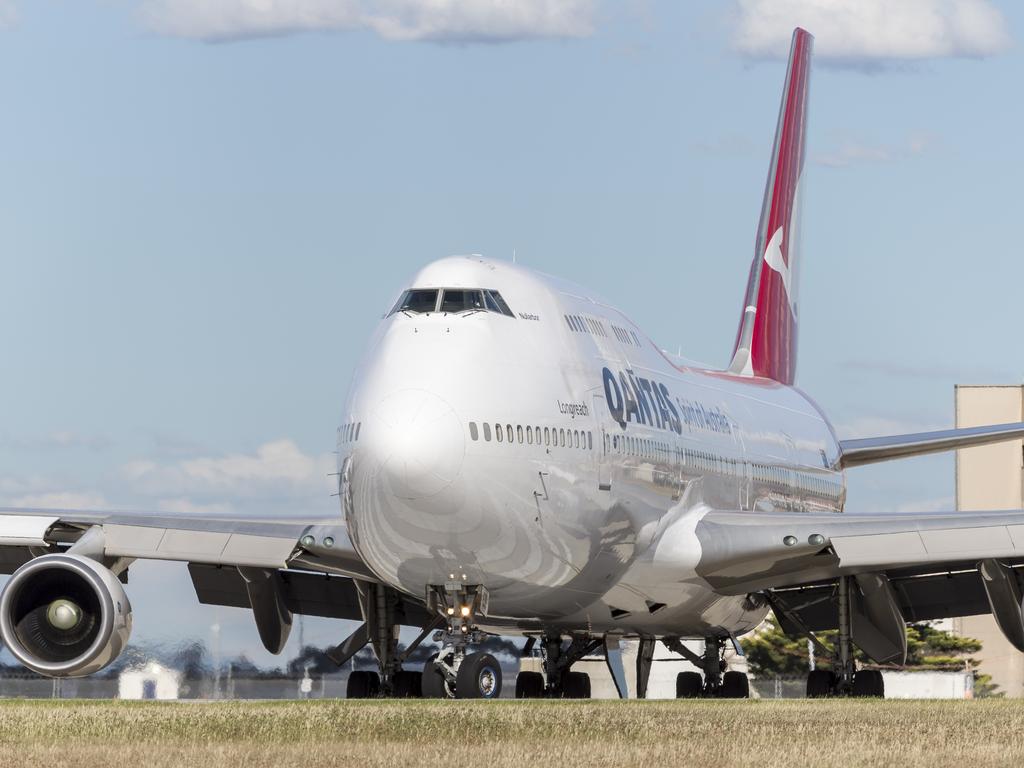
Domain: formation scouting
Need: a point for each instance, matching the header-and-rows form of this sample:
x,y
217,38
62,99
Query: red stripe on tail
x,y
766,341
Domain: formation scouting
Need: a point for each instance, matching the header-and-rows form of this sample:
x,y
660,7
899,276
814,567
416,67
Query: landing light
x,y
307,541
329,542
451,611
465,611
815,539
789,541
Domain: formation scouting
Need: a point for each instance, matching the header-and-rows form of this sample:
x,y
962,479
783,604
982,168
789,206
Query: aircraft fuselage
x,y
546,454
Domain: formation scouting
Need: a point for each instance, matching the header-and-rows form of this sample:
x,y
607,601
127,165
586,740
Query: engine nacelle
x,y
65,615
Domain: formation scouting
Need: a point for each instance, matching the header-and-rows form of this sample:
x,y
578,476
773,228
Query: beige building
x,y
991,478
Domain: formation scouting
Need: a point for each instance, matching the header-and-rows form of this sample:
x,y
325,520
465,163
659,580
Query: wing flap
x,y
25,530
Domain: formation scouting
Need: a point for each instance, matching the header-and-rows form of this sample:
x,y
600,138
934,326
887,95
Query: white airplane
x,y
519,458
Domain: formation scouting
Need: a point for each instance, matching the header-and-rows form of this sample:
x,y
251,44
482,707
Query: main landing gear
x,y
844,679
558,680
716,682
383,612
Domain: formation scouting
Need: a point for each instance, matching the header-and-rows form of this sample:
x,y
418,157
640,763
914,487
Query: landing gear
x,y
735,685
576,685
452,672
363,684
869,683
843,679
433,684
383,610
406,684
716,682
530,685
819,684
479,677
689,685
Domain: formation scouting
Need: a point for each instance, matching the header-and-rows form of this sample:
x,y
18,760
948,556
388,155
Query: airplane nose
x,y
417,439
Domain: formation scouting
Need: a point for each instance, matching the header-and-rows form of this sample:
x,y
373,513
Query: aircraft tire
x,y
479,677
819,684
869,683
689,685
735,685
576,685
432,681
529,685
363,684
407,685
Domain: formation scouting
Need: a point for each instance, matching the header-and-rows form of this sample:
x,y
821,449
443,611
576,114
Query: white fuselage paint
x,y
598,537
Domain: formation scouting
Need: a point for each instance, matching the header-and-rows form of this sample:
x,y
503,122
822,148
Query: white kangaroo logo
x,y
773,258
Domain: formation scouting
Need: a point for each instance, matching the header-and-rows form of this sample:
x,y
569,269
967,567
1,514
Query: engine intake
x,y
65,615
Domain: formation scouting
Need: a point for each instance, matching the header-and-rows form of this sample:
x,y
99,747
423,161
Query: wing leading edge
x,y
855,453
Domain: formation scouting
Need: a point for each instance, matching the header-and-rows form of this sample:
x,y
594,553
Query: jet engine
x,y
64,615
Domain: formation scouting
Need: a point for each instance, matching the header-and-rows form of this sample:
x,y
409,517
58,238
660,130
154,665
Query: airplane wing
x,y
313,543
855,453
275,567
905,567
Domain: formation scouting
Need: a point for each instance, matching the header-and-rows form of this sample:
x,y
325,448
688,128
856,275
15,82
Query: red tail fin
x,y
766,341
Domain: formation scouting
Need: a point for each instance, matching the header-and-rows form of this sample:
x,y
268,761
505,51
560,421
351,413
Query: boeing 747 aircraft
x,y
518,457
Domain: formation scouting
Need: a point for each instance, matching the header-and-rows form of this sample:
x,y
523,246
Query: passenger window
x,y
472,431
462,301
590,441
418,301
358,427
547,436
529,435
561,437
575,439
487,432
508,431
497,432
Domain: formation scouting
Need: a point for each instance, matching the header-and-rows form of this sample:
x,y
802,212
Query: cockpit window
x,y
461,300
418,301
497,304
452,300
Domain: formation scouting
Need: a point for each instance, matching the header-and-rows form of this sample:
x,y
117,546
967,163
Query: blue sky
x,y
205,208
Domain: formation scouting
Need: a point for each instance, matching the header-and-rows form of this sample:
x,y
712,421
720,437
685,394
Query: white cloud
x,y
872,33
276,468
455,21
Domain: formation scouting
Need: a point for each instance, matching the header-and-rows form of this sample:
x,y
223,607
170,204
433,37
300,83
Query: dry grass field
x,y
510,733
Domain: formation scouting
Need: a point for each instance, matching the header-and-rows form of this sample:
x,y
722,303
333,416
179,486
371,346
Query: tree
x,y
769,651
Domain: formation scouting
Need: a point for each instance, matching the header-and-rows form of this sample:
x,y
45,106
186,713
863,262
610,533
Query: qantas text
x,y
631,398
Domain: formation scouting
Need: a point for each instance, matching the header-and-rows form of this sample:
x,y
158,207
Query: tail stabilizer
x,y
766,340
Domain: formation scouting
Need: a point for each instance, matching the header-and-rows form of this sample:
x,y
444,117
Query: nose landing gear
x,y
454,673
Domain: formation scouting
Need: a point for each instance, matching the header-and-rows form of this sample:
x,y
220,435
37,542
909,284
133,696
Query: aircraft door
x,y
602,443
